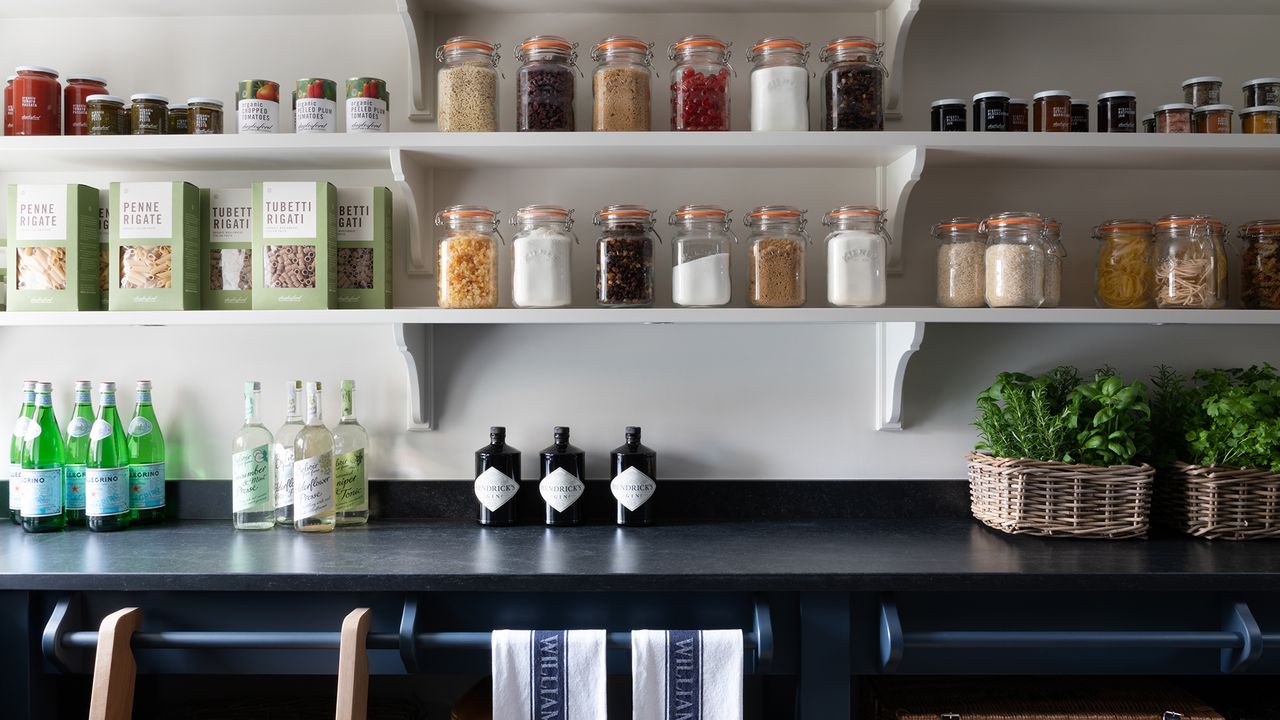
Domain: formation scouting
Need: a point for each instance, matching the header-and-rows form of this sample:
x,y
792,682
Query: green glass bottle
x,y
16,440
146,461
78,452
351,479
106,473
43,457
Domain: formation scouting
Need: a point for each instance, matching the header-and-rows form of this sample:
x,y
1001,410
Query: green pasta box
x,y
155,246
104,244
226,258
294,245
52,256
364,247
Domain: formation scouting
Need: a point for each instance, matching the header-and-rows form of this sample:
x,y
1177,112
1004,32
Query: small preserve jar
x,y
104,114
542,257
1260,270
1052,111
775,274
1213,119
700,83
961,267
624,256
1079,115
544,84
1149,123
1118,112
1261,91
620,84
1014,259
1019,115
948,115
1260,119
700,253
1205,90
37,101
1173,118
853,84
1123,276
467,85
1054,253
991,111
467,259
779,84
857,248
149,114
1185,263
204,116
177,121
75,102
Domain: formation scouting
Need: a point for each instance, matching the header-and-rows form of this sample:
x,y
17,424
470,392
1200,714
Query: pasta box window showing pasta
x,y
226,256
104,246
52,256
155,246
363,277
294,245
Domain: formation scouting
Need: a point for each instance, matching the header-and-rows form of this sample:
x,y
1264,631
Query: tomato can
x,y
367,102
258,107
315,106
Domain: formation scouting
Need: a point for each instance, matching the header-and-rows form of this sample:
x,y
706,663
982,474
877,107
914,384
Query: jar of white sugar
x,y
542,257
467,85
700,256
856,250
779,84
1014,259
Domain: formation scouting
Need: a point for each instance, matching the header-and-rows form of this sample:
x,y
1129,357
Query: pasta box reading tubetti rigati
x,y
155,246
364,247
294,246
52,255
226,258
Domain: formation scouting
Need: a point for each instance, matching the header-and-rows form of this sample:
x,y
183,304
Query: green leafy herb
x,y
1238,418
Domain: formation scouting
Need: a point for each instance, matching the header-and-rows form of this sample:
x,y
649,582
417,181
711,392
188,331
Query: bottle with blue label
x,y
106,473
16,440
43,458
146,461
77,442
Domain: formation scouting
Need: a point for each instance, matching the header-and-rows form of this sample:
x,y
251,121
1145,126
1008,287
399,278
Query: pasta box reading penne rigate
x,y
226,257
52,255
364,247
294,246
155,246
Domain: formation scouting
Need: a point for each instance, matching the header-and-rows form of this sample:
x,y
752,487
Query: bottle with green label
x,y
77,442
282,455
43,457
146,460
351,480
313,491
251,503
16,441
106,472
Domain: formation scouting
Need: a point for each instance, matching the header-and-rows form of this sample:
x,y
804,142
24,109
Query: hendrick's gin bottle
x,y
563,475
497,479
634,469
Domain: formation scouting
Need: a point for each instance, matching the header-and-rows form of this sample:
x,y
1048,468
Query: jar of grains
x,y
779,84
467,85
1261,91
1173,118
37,101
1185,263
1123,277
542,256
624,256
620,84
775,276
75,106
853,84
1055,251
467,259
1260,271
1206,90
857,248
700,83
544,85
1014,259
700,256
961,273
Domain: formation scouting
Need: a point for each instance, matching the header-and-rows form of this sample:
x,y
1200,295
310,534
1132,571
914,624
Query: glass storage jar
x,y
1014,259
1173,118
467,259
1123,276
467,85
1218,230
857,249
204,116
1185,263
991,111
177,120
1118,112
700,83
545,83
779,84
853,84
8,104
75,102
105,113
148,114
775,272
1079,115
624,256
1149,123
961,268
1019,115
1213,119
948,115
1260,120
1260,270
1261,91
700,250
542,256
1054,253
37,101
1205,90
620,84
1051,111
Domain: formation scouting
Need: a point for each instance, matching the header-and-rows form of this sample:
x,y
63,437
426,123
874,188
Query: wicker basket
x,y
1038,699
1219,502
1034,497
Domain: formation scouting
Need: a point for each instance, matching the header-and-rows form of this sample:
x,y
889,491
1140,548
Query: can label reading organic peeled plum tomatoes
x,y
367,101
315,106
258,106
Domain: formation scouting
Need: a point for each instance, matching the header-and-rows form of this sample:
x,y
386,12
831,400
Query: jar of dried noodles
x,y
1186,262
1123,278
1260,270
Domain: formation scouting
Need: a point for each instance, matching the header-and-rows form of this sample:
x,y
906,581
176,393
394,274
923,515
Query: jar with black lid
x,y
624,256
1051,111
1118,112
1203,90
1079,115
1261,91
1019,115
948,115
991,111
853,84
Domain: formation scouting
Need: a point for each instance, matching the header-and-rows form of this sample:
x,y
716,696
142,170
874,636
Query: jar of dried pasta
x,y
961,269
1014,259
775,273
1185,271
1218,231
1123,276
467,85
1054,251
624,256
620,84
1260,270
467,259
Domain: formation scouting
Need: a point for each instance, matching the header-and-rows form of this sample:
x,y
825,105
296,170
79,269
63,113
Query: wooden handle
x,y
114,668
353,666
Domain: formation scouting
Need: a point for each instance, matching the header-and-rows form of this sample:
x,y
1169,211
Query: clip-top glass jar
x,y
1014,259
776,276
1260,271
1054,251
961,267
700,250
700,83
467,85
857,251
624,256
779,84
1123,278
542,256
75,102
853,84
467,259
37,101
1185,262
1218,230
620,84
544,85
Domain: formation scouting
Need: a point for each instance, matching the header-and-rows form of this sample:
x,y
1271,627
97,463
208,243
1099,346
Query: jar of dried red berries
x,y
853,84
544,86
700,83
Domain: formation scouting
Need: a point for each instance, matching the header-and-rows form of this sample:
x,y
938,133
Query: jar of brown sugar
x,y
1213,119
467,259
1118,112
620,84
1204,90
1260,270
1260,119
775,273
1052,111
624,256
1019,115
1173,118
1261,91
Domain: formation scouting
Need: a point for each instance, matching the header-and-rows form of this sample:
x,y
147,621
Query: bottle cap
x,y
632,430
82,385
560,430
348,384
28,384
107,386
497,430
144,384
44,387
252,386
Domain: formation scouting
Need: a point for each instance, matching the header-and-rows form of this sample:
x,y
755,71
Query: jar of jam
x,y
1260,270
1019,115
947,115
1079,115
1173,118
178,120
544,84
75,96
1204,90
620,84
104,114
1260,119
700,83
853,84
8,104
700,253
991,111
204,116
149,114
1213,119
1052,112
1118,112
624,256
1261,91
775,272
1149,123
467,259
37,101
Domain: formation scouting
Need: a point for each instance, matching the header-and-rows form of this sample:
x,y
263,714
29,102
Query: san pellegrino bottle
x,y
251,502
77,441
146,460
350,476
43,457
313,495
16,440
282,456
106,473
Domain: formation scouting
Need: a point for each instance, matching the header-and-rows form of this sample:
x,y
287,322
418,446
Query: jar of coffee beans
x,y
467,259
775,273
544,86
853,84
624,256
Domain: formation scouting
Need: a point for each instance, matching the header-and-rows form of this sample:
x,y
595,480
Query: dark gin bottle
x,y
563,469
634,469
497,479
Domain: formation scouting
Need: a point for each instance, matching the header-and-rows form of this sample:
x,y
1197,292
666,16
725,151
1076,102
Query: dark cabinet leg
x,y
824,656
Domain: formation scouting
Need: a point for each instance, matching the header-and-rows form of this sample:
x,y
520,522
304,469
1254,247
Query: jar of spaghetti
x,y
1054,251
1204,90
178,121
1260,270
1123,277
1261,91
467,259
961,269
1014,259
149,114
1213,119
1185,263
1173,118
1118,112
853,84
991,111
37,101
700,83
624,256
75,97
1051,111
775,272
1079,115
105,113
1019,115
1260,119
620,84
